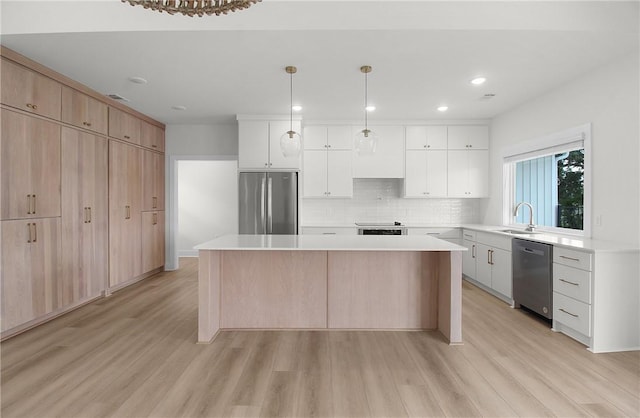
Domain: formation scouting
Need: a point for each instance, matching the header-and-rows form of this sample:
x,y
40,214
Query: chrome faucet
x,y
531,225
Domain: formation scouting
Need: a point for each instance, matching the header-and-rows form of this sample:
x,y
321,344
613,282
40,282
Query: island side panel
x,y
209,271
274,289
450,296
379,289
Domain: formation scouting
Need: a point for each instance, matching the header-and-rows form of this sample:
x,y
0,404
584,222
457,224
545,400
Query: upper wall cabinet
x,y
83,111
151,136
259,145
426,137
388,159
124,126
468,137
328,137
29,91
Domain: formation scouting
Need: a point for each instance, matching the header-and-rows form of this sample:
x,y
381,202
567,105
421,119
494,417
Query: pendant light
x,y
366,140
291,141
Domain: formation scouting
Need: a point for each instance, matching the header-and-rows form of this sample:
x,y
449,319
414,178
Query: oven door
x,y
382,231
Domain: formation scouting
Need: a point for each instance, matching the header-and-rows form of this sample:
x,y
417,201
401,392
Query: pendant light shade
x,y
366,140
291,141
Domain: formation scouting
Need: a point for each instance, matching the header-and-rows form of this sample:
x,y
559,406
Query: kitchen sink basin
x,y
518,232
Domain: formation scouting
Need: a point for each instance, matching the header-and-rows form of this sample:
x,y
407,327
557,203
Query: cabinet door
x,y
85,248
478,173
29,91
339,173
315,137
30,158
152,180
436,183
315,173
124,126
152,240
83,111
426,137
468,137
253,144
30,269
415,181
483,266
501,272
276,158
388,159
125,191
457,178
151,136
339,137
469,259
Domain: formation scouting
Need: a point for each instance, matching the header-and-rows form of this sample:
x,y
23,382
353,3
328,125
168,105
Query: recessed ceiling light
x,y
478,80
138,80
296,108
443,108
370,108
179,107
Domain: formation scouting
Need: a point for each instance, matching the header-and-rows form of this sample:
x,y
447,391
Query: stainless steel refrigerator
x,y
268,202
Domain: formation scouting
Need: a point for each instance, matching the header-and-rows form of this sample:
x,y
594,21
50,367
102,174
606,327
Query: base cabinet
x,y
488,262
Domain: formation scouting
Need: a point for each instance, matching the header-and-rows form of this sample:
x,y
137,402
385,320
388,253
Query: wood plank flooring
x,y
134,355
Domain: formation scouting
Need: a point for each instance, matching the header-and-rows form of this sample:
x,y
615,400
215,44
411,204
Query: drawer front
x,y
442,233
571,258
572,282
469,235
572,313
494,240
311,230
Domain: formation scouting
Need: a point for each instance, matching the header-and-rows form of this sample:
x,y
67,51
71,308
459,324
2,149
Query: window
x,y
551,174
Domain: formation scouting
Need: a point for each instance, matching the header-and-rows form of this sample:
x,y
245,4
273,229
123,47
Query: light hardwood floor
x,y
134,355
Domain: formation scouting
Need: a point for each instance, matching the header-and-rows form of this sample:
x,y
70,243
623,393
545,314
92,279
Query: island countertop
x,y
329,243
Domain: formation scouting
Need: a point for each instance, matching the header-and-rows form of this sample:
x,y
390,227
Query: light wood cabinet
x,y
467,173
30,269
152,180
426,173
29,91
30,158
151,136
152,240
125,198
83,111
85,242
124,126
328,173
426,137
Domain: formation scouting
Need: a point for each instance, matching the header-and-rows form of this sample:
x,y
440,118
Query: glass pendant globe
x,y
291,144
365,142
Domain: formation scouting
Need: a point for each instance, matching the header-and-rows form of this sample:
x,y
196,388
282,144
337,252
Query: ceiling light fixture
x,y
179,107
296,108
443,108
478,80
194,7
138,80
366,140
370,108
290,141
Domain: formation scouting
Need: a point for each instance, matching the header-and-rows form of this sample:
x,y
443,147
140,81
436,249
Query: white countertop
x,y
329,243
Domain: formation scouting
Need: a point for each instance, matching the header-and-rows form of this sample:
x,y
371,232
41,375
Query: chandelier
x,y
194,7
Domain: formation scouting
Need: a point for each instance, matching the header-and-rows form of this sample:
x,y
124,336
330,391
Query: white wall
x,y
207,202
608,99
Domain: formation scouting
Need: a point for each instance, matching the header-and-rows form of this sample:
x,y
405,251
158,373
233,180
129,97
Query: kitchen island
x,y
329,282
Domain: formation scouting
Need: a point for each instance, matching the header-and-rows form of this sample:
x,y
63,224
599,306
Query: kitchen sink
x,y
518,232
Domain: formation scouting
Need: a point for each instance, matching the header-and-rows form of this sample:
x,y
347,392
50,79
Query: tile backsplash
x,y
380,200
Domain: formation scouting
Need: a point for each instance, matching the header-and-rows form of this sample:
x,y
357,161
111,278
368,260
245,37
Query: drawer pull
x,y
570,258
32,106
568,282
127,137
568,313
468,235
86,123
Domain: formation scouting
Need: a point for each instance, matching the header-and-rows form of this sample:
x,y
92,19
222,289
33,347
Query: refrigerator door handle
x,y
263,218
270,207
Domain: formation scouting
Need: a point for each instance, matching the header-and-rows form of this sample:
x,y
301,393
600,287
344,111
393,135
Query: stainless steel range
x,y
381,228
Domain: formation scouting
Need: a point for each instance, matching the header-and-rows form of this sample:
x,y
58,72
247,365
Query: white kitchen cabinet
x,y
426,137
259,145
468,173
334,137
468,137
489,262
425,173
327,173
388,159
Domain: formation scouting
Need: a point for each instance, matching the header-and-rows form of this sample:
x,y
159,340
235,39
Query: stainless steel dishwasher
x,y
532,276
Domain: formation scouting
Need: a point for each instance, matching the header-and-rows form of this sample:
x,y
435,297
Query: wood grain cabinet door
x,y
30,159
152,181
84,215
83,111
151,136
152,240
30,269
29,91
124,126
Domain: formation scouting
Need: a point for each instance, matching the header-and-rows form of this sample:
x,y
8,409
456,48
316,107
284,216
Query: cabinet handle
x,y
89,210
32,106
29,232
428,146
473,251
492,263
86,123
329,146
568,282
570,258
568,313
155,219
127,210
35,233
84,213
127,137
154,146
155,202
33,197
28,204
488,256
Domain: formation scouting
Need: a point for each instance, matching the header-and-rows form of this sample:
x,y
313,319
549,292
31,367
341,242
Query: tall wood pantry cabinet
x,y
81,194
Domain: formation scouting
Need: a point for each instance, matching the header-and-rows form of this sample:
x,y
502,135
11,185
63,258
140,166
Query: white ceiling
x,y
423,54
